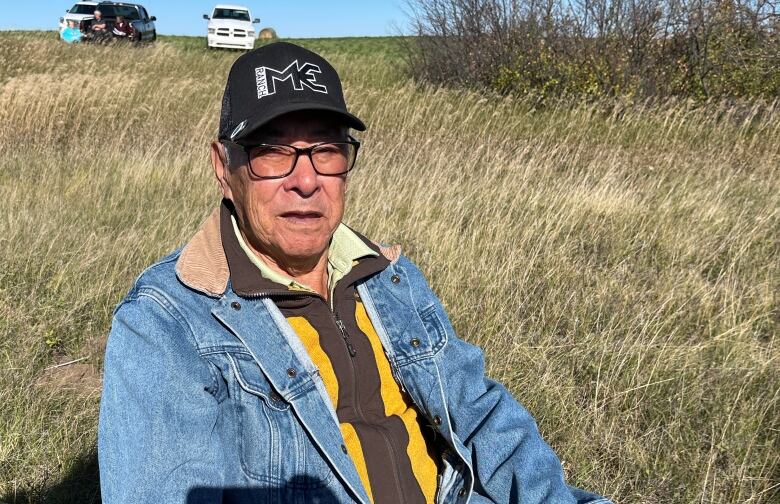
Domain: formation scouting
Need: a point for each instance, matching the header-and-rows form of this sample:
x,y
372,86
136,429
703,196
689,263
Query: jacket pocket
x,y
274,447
250,379
434,328
422,339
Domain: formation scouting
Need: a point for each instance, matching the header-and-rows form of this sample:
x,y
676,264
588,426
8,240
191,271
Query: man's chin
x,y
303,248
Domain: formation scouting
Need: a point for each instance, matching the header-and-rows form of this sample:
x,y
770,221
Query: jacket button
x,y
415,342
395,279
462,492
235,305
291,373
276,397
437,420
344,449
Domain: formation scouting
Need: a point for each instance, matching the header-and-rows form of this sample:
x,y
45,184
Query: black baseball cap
x,y
275,79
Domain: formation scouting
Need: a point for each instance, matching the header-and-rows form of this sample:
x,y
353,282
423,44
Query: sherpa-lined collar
x,y
203,265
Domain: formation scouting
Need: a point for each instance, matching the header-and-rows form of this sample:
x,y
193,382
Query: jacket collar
x,y
203,262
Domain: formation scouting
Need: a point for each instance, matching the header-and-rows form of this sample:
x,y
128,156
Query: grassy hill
x,y
618,263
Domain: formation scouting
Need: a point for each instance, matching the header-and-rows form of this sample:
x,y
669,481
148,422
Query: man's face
x,y
98,15
293,218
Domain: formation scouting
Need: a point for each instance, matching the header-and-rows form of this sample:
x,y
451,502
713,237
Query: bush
x,y
638,48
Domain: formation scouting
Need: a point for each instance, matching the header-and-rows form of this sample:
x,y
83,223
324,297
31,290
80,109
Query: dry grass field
x,y
618,264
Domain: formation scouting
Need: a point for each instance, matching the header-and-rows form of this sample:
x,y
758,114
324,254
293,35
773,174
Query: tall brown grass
x,y
618,263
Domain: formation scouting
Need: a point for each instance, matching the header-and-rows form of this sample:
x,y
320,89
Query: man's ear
x,y
221,169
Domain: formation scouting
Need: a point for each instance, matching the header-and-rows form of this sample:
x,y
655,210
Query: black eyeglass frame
x,y
298,151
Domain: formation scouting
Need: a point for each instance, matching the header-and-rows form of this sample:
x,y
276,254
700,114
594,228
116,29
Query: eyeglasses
x,y
272,161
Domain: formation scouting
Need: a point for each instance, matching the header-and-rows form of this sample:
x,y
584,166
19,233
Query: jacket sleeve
x,y
157,411
510,460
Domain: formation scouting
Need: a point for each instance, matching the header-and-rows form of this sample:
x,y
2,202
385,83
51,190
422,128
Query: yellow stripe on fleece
x,y
355,450
422,461
311,340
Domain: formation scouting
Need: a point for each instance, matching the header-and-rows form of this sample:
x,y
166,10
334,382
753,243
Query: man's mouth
x,y
301,217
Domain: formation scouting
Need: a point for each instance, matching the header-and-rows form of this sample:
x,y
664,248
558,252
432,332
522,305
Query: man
x,y
280,356
98,27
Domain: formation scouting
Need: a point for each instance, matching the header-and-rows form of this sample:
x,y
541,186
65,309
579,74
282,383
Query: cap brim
x,y
253,125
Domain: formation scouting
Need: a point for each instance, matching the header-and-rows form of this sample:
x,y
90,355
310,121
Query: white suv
x,y
230,26
78,13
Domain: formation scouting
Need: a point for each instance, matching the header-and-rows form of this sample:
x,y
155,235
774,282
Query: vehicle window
x,y
82,9
144,14
107,10
130,13
238,15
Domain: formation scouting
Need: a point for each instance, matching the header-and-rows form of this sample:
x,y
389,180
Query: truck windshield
x,y
238,15
82,9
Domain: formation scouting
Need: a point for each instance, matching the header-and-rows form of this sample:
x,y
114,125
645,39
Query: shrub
x,y
639,48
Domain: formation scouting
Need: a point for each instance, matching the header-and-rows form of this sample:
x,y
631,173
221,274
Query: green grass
x,y
618,263
368,47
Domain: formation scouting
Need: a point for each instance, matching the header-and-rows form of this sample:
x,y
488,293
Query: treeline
x,y
595,48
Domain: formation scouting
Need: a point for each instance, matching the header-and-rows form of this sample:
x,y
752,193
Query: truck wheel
x,y
154,36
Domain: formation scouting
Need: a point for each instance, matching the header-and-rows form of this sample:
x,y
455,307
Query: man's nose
x,y
303,178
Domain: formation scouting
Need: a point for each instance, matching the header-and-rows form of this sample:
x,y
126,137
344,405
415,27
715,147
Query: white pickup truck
x,y
231,27
78,13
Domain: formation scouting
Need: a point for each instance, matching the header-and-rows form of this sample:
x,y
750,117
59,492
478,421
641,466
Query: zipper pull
x,y
351,349
344,335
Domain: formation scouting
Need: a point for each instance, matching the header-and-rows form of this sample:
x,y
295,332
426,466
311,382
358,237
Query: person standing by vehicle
x,y
122,28
71,33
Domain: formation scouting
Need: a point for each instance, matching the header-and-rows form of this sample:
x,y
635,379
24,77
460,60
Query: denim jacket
x,y
211,397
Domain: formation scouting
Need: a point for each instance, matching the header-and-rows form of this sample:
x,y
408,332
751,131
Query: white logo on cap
x,y
238,129
299,75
